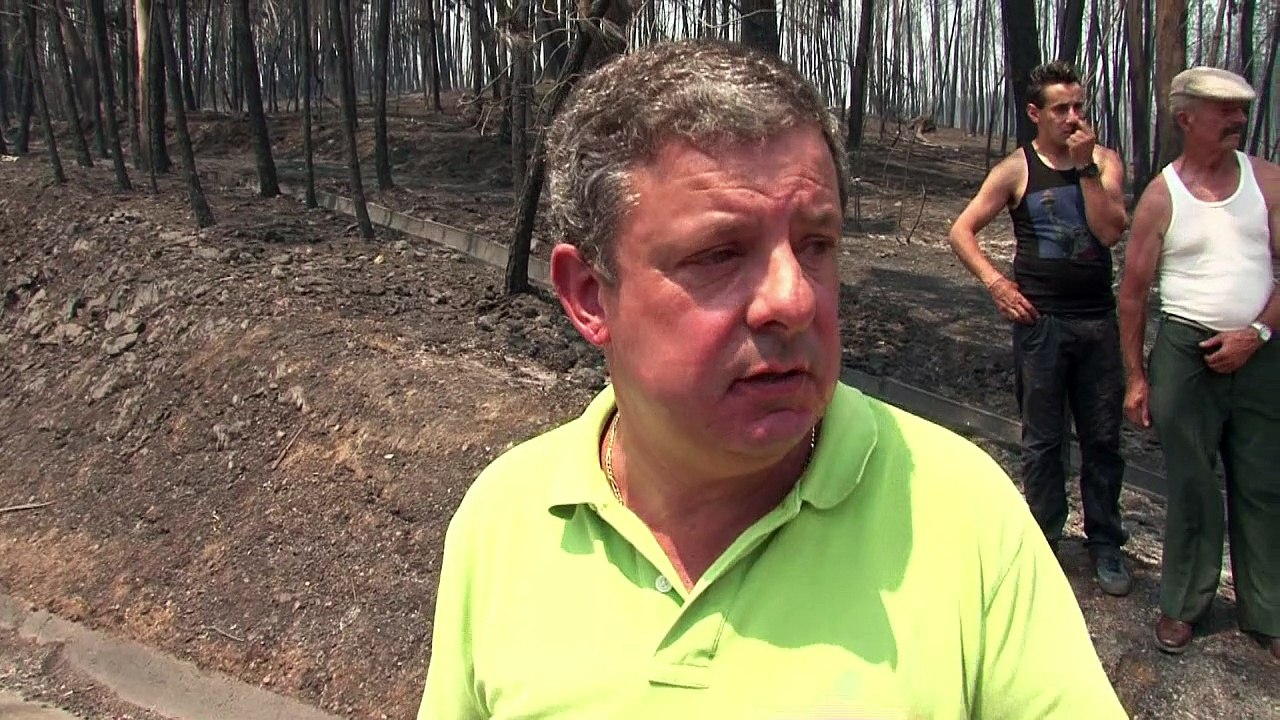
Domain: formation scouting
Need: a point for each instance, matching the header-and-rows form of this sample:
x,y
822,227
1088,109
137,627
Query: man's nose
x,y
784,296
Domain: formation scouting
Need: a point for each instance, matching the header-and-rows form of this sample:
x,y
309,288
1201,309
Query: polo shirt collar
x,y
579,479
846,440
845,443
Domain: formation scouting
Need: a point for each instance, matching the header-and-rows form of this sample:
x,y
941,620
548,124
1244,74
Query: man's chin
x,y
778,431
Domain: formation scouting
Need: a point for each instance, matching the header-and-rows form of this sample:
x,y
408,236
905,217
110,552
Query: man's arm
x,y
1037,659
996,193
449,693
1268,175
1104,198
1150,221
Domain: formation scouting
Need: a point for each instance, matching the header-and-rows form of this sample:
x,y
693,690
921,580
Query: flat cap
x,y
1212,84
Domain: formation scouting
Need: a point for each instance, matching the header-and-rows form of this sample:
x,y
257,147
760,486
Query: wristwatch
x,y
1090,171
1263,330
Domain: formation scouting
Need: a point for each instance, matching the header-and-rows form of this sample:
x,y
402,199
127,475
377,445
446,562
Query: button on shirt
x,y
902,577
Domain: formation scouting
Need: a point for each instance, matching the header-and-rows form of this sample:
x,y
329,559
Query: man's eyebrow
x,y
828,215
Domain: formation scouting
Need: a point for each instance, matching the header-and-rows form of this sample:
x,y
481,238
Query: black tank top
x,y
1058,264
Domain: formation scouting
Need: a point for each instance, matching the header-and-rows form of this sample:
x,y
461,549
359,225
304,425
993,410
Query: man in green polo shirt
x,y
727,531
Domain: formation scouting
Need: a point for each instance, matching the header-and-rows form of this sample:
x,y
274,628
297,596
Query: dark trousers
x,y
1199,414
1063,363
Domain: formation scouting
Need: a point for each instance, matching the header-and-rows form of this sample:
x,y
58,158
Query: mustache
x,y
1233,130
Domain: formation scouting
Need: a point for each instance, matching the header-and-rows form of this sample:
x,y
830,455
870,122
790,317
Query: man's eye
x,y
819,244
715,256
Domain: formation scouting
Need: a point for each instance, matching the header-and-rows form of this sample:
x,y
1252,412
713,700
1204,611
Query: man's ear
x,y
1182,120
1033,112
579,288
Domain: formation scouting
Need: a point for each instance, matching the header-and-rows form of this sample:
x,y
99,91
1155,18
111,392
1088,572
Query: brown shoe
x,y
1173,636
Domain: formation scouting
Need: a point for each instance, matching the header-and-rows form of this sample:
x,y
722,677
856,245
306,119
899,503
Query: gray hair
x,y
1181,102
705,92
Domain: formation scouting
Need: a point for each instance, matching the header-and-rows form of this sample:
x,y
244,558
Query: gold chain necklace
x,y
613,434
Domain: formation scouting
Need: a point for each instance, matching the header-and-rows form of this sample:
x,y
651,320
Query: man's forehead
x,y
730,154
1060,93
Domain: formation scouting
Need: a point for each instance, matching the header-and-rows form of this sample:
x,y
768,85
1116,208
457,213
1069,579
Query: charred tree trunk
x,y
308,153
26,100
477,52
1139,96
201,57
159,104
1004,120
184,56
1022,51
521,76
88,98
339,13
102,54
216,72
268,186
381,50
858,85
1263,107
1171,59
129,72
33,66
151,91
517,277
760,25
430,55
78,142
555,45
5,109
199,206
1069,31
608,42
1247,12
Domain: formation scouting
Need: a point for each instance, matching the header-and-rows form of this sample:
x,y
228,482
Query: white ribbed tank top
x,y
1215,263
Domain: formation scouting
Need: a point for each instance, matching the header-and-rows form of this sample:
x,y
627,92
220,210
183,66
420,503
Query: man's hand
x,y
1137,402
1011,303
1233,349
1080,144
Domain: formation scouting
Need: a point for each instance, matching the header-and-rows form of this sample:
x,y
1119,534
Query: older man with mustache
x,y
1208,227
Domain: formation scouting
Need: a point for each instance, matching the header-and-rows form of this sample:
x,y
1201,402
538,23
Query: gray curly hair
x,y
705,92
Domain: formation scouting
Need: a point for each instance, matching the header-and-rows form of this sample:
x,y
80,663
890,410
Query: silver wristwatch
x,y
1264,332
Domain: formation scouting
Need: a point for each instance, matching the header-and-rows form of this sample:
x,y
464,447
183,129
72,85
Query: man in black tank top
x,y
1064,196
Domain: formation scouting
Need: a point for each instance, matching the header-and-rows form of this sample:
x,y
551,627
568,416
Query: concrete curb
x,y
918,401
150,679
13,707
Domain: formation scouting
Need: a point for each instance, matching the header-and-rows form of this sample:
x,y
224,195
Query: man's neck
x,y
696,517
1055,156
1206,161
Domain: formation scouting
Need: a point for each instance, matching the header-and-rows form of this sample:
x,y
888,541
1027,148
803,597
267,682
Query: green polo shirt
x,y
902,577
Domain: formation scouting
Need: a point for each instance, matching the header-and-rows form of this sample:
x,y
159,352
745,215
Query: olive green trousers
x,y
1200,415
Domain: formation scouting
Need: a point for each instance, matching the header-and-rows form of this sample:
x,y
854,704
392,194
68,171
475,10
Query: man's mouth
x,y
774,380
772,377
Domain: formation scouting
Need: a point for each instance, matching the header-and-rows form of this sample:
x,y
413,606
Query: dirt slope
x,y
253,436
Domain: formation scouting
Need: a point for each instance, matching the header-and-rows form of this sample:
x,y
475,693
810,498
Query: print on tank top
x,y
1062,233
